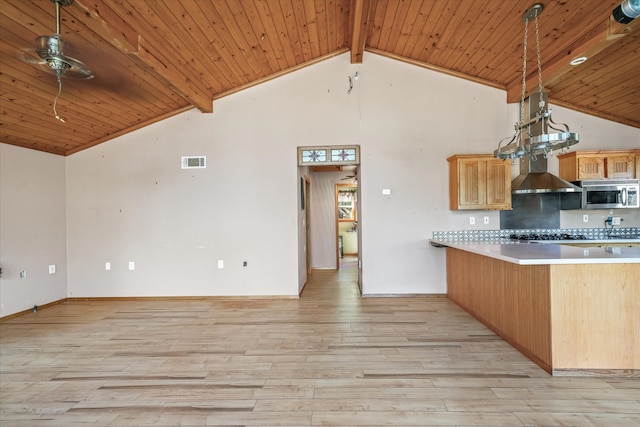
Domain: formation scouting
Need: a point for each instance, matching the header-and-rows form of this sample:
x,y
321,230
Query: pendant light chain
x,y
524,69
540,87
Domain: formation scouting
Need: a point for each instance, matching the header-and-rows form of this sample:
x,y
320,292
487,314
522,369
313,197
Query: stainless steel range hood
x,y
534,178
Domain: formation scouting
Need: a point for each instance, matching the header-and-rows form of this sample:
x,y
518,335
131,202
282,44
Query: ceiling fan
x,y
49,49
352,176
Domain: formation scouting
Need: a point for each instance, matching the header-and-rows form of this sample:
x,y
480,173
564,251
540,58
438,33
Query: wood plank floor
x,y
330,358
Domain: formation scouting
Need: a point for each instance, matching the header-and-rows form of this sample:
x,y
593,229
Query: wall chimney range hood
x,y
534,178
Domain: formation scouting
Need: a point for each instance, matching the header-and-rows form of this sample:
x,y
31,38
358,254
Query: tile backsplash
x,y
489,235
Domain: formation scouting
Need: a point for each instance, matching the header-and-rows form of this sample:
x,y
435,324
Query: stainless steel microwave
x,y
610,193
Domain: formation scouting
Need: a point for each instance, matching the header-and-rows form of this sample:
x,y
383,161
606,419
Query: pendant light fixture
x,y
532,137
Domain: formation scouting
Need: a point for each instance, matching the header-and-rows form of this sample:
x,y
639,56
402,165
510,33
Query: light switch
x,y
386,191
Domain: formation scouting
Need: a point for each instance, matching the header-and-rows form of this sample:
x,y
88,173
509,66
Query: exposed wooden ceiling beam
x,y
603,35
99,18
359,26
108,25
175,78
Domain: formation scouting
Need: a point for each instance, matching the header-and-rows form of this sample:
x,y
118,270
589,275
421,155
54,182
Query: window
x,y
329,155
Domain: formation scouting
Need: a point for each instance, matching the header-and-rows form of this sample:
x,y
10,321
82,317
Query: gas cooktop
x,y
552,236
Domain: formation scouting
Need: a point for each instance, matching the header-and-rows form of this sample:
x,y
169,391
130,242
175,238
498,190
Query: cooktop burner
x,y
553,236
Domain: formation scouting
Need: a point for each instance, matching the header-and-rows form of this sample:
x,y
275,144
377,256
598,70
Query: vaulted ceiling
x,y
152,59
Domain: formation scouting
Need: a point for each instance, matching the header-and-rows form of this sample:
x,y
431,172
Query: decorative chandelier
x,y
532,137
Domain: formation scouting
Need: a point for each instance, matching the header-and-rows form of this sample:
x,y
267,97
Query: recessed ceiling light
x,y
579,60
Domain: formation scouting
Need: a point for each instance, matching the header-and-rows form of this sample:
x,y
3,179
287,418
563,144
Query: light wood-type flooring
x,y
330,358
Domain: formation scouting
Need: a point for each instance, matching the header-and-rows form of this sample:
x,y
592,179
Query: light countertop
x,y
529,253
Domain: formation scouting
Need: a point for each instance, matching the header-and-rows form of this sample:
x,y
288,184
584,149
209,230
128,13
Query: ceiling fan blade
x,y
30,56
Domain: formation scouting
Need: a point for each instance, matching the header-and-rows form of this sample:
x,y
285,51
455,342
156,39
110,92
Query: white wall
x,y
128,199
32,228
412,120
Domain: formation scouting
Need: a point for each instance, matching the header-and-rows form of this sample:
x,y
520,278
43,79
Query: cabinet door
x,y
620,166
472,183
591,168
498,184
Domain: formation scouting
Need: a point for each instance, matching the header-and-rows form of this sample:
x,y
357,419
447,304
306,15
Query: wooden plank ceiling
x,y
152,59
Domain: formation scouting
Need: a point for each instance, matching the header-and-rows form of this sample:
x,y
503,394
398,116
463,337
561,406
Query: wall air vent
x,y
194,162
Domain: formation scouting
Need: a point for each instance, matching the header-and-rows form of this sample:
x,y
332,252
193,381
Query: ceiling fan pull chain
x,y
55,101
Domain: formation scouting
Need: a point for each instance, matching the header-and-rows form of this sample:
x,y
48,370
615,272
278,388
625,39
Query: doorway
x,y
346,220
318,233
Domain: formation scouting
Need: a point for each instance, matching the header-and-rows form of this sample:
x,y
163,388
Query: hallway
x,y
329,358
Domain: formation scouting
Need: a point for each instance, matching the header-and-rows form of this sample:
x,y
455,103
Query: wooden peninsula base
x,y
567,318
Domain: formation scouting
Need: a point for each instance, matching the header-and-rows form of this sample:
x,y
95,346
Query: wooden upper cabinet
x,y
590,168
637,153
499,184
579,165
479,181
622,166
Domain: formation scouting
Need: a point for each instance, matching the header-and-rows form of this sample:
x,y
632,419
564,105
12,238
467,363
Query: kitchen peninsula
x,y
572,308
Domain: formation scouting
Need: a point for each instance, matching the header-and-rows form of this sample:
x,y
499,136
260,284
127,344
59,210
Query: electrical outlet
x,y
472,220
486,220
132,265
52,269
23,274
244,263
220,263
616,220
107,265
585,218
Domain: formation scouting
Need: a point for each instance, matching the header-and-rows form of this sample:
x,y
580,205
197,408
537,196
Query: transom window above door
x,y
329,155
